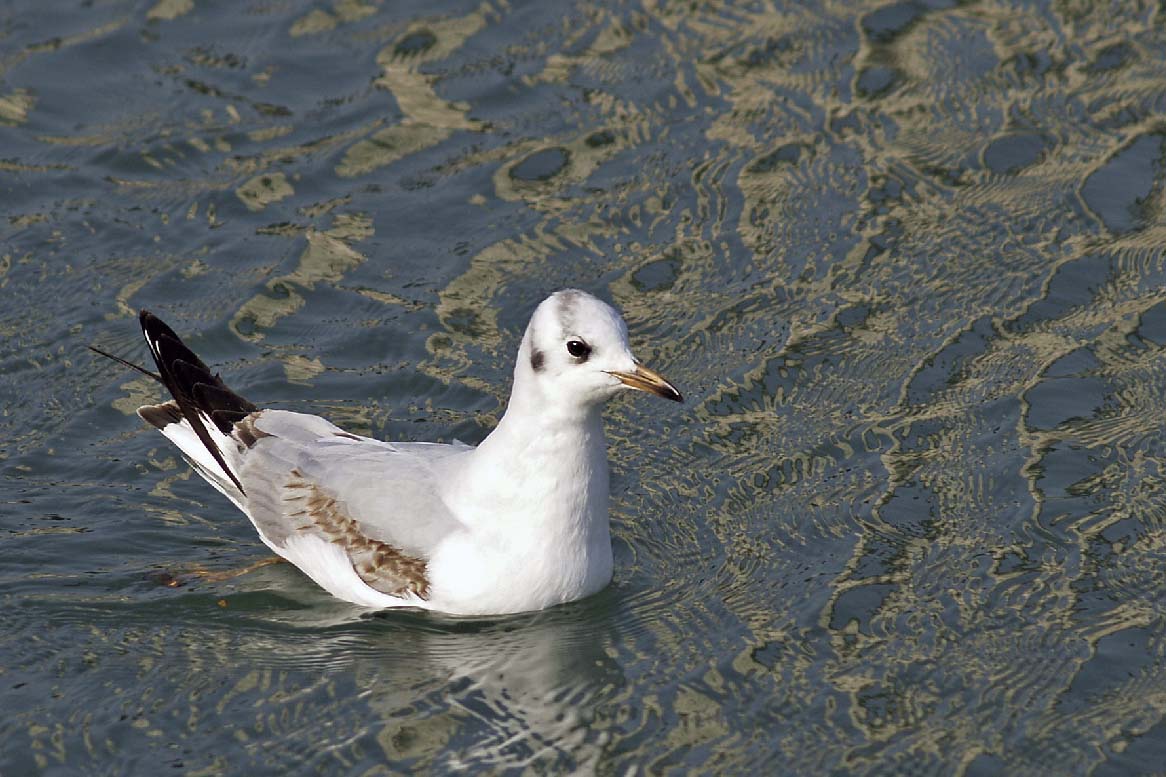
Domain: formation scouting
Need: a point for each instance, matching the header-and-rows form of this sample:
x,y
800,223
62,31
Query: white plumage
x,y
518,523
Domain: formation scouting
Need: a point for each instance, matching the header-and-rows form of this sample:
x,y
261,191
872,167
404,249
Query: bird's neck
x,y
545,463
535,433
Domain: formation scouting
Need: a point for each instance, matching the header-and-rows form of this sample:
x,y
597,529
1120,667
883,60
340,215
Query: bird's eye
x,y
578,349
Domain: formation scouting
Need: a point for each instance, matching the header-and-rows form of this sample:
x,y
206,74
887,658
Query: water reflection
x,y
513,693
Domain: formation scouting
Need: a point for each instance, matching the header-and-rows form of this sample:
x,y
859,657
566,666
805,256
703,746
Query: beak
x,y
651,381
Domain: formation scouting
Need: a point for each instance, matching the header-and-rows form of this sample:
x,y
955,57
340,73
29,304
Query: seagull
x,y
516,524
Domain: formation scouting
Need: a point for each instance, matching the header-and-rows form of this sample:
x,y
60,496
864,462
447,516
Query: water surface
x,y
905,260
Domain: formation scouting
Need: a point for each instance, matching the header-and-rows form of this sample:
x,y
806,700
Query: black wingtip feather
x,y
197,392
171,350
225,407
153,325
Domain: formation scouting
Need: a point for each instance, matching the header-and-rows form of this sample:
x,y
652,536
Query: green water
x,y
905,261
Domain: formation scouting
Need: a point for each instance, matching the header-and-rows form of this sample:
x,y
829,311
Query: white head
x,y
575,353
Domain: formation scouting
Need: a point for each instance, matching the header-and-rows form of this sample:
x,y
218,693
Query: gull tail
x,y
202,402
203,413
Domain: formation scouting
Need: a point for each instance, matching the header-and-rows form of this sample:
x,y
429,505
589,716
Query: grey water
x,y
905,260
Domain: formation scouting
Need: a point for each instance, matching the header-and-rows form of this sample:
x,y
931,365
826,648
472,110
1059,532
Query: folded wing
x,y
286,471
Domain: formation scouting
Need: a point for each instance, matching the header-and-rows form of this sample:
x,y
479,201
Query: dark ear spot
x,y
537,359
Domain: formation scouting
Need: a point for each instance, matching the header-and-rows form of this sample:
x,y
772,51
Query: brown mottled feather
x,y
382,566
247,432
161,416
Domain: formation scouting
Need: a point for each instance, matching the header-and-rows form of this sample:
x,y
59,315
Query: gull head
x,y
576,352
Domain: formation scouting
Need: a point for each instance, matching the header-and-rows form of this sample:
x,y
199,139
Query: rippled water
x,y
906,261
